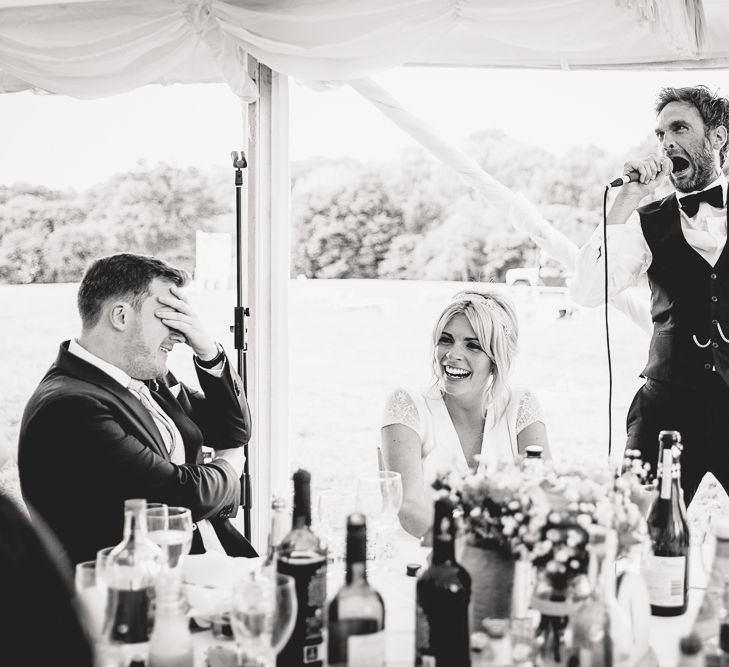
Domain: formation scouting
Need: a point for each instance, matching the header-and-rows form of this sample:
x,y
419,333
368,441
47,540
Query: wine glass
x,y
286,609
333,509
379,497
91,593
263,616
171,529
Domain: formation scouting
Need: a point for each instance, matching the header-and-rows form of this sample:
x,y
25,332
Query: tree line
x,y
406,218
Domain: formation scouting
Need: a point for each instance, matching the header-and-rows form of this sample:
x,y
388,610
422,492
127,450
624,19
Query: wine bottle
x,y
601,631
666,567
443,592
356,613
130,571
303,556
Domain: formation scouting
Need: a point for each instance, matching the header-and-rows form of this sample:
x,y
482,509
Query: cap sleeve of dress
x,y
400,408
529,410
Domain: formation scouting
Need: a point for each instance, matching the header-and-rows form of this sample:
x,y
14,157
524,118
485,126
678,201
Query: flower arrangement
x,y
546,520
498,508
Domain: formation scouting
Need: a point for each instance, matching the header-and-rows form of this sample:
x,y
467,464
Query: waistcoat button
x,y
715,345
713,276
714,298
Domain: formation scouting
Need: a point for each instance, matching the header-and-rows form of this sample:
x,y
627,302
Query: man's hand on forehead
x,y
178,315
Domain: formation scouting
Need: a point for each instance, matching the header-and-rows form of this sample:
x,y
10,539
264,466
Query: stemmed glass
x,y
171,529
263,616
333,509
379,497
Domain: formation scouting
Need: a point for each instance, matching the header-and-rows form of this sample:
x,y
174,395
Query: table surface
x,y
398,592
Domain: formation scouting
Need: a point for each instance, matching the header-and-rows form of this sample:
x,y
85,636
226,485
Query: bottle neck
x,y
278,531
444,550
135,523
356,557
302,504
534,467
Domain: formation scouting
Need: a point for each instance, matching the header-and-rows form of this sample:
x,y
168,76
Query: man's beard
x,y
704,170
142,363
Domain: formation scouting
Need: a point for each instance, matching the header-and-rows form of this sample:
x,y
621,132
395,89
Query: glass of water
x,y
171,529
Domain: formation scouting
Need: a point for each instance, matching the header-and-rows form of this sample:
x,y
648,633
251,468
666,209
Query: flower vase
x,y
555,604
492,581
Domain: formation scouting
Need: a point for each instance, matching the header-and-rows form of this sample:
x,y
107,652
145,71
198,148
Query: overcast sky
x,y
63,142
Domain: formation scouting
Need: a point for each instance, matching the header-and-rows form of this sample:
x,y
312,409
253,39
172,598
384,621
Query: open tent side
x,y
105,47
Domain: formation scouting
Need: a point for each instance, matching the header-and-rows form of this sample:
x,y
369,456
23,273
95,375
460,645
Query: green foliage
x,y
430,225
407,218
344,222
50,236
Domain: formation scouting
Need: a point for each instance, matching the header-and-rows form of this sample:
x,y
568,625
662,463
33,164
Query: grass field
x,y
351,343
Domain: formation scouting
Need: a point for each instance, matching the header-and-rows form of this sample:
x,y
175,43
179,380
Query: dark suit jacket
x,y
86,444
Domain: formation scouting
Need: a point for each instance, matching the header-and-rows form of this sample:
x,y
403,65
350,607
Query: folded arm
x,y
95,443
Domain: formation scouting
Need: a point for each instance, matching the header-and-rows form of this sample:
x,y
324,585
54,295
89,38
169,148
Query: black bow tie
x,y
712,196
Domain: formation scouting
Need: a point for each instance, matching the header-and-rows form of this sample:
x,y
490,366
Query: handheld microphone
x,y
632,177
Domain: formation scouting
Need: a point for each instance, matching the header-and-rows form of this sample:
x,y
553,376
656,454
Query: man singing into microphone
x,y
679,241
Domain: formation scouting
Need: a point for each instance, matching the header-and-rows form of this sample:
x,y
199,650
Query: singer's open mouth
x,y
679,164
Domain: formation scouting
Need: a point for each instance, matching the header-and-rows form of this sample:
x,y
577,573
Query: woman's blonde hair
x,y
493,319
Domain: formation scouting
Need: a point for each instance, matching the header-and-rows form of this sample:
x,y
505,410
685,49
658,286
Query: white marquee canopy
x,y
90,49
103,47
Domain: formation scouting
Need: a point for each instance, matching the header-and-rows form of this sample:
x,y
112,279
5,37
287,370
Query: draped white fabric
x,y
516,210
93,49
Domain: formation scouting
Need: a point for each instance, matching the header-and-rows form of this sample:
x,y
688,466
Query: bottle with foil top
x,y
667,564
443,593
356,613
303,556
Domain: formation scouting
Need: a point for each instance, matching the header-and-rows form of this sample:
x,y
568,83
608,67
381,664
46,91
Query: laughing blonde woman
x,y
469,410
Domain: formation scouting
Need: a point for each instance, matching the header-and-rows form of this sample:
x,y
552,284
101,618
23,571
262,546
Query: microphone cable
x,y
607,326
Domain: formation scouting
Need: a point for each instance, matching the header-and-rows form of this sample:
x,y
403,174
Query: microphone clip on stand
x,y
240,312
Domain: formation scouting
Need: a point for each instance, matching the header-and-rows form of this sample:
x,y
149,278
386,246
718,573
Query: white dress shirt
x,y
165,425
629,255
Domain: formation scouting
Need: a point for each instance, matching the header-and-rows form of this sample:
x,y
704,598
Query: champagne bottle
x,y
443,592
303,556
601,632
131,569
278,532
356,613
666,567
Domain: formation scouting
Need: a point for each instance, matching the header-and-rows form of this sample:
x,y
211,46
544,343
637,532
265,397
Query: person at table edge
x,y
93,434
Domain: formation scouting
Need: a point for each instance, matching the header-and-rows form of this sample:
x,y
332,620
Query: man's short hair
x,y
124,275
713,108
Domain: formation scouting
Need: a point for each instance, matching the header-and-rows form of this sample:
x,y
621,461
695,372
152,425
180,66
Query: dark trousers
x,y
700,414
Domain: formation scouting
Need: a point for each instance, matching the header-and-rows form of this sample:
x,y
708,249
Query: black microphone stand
x,y
240,312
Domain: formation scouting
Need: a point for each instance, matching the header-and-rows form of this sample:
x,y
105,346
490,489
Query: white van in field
x,y
522,276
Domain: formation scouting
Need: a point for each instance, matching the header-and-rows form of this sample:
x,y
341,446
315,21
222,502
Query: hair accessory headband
x,y
489,301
